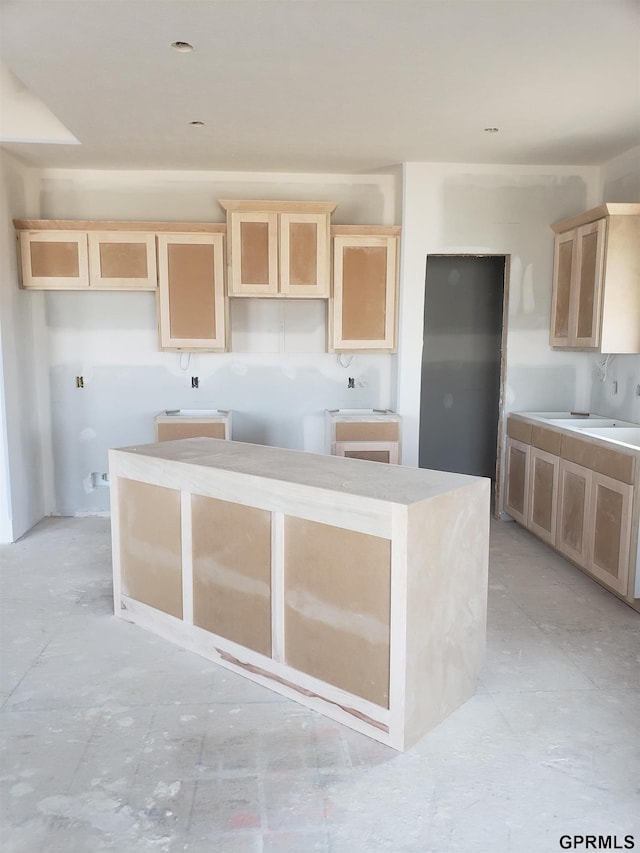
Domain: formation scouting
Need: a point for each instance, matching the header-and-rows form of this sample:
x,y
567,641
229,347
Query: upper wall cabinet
x,y
596,280
191,303
278,249
365,288
69,255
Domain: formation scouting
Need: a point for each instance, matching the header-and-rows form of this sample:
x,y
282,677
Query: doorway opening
x,y
463,365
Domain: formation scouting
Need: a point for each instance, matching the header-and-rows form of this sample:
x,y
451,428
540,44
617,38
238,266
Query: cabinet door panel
x,y
374,451
253,254
543,484
610,518
304,254
122,261
337,591
574,491
364,303
589,258
54,260
191,292
562,278
232,571
151,545
517,500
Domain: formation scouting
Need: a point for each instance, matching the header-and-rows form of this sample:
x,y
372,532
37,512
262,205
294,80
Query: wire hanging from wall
x,y
603,366
341,363
182,366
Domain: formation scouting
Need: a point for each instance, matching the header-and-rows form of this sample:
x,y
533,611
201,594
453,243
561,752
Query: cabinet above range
x,y
278,248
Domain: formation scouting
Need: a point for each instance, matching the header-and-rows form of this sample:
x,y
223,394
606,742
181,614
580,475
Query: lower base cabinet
x,y
584,514
359,593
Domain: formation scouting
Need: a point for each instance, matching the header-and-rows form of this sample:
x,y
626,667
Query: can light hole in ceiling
x,y
182,46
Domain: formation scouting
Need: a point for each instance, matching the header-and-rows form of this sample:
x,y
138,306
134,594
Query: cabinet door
x,y
253,254
191,291
610,531
304,254
574,496
563,264
543,488
517,499
364,293
122,261
54,260
588,284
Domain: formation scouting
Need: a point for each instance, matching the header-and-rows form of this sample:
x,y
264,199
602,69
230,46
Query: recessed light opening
x,y
196,123
182,46
491,129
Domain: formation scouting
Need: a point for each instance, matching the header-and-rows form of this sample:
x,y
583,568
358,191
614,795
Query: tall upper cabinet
x,y
596,280
278,249
363,315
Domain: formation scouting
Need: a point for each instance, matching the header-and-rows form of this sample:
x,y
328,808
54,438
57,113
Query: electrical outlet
x,y
195,382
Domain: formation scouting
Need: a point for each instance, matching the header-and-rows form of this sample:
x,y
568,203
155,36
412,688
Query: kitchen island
x,y
355,588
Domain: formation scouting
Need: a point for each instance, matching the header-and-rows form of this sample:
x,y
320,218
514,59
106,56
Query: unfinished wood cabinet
x,y
120,260
596,280
609,525
338,584
574,501
543,493
517,480
371,434
577,495
191,303
278,249
54,260
174,424
365,289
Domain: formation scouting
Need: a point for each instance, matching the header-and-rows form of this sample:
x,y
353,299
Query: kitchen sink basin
x,y
627,435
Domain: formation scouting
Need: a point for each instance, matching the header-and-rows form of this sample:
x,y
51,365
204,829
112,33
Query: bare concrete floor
x,y
116,740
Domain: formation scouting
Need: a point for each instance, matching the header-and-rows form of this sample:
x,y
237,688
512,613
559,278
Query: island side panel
x,y
149,521
337,591
447,575
232,571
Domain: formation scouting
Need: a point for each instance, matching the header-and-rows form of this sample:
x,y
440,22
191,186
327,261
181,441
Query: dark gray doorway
x,y
462,363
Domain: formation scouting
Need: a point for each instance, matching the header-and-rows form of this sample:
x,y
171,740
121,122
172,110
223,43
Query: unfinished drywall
x,y
24,411
620,178
278,379
477,209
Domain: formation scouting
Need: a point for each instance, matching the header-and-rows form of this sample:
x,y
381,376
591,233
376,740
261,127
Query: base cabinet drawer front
x,y
610,531
231,547
373,451
54,260
150,534
517,478
337,600
122,261
543,491
191,292
574,501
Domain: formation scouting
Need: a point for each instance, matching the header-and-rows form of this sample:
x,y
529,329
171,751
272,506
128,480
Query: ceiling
x,y
320,85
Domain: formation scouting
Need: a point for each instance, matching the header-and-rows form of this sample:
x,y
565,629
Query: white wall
x,y
480,209
278,379
615,384
24,401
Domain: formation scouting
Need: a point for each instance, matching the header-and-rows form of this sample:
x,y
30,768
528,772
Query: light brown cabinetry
x,y
372,434
517,480
68,255
191,303
54,260
336,585
579,498
365,288
278,249
596,280
174,424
